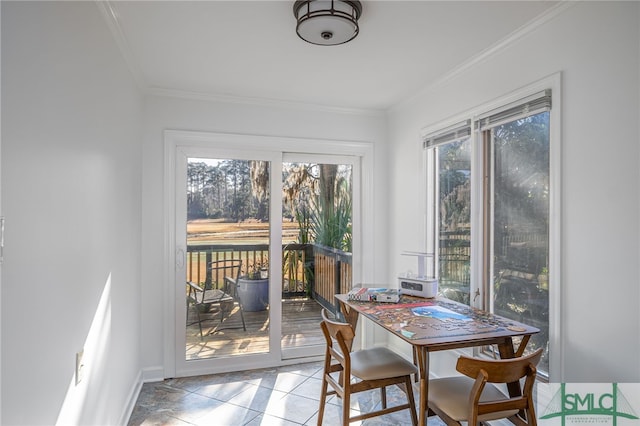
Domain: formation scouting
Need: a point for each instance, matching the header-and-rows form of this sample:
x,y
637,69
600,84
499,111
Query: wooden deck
x,y
300,327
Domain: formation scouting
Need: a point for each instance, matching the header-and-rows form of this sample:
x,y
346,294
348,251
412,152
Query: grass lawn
x,y
222,231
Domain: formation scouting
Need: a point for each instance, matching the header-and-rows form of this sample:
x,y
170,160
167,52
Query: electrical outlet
x,y
79,366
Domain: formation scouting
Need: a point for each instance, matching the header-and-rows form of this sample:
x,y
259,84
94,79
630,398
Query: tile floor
x,y
286,396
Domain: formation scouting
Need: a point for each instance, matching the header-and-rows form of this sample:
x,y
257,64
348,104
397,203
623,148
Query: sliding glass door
x,y
260,237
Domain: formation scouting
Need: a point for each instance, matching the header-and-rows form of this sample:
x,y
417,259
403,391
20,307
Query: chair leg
x,y
244,327
199,322
383,396
239,301
531,415
226,308
195,306
346,407
323,400
411,400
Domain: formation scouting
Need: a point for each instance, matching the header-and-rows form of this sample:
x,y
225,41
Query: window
x,y
450,153
488,206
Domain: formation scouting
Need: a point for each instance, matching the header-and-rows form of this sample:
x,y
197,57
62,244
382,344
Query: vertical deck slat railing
x,y
308,270
454,256
346,282
296,280
454,273
332,275
297,271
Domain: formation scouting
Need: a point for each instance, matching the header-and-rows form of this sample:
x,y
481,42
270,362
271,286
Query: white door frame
x,y
182,144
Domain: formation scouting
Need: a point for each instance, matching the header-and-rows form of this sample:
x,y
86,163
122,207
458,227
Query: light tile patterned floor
x,y
285,396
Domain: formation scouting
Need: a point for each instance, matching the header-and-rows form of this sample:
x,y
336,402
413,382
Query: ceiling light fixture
x,y
327,22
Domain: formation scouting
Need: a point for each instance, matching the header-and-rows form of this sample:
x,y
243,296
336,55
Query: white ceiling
x,y
250,50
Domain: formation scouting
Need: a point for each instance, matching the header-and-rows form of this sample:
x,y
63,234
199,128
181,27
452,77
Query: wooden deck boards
x,y
300,327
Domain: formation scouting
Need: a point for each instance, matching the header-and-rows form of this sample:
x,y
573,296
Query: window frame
x,y
480,278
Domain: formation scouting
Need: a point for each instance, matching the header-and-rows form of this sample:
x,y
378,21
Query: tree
x,y
260,187
196,181
522,171
238,205
455,186
521,191
319,197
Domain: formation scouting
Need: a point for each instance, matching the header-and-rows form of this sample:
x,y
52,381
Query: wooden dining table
x,y
438,324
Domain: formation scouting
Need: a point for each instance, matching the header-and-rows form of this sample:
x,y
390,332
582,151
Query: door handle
x,y
180,258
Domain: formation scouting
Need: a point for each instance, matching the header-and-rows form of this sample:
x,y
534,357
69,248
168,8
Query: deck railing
x,y
333,275
309,270
296,273
454,255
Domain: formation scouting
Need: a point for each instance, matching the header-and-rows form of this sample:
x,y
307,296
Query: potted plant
x,y
253,287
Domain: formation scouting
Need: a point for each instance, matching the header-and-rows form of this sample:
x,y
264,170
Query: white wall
x,y
163,113
596,47
71,157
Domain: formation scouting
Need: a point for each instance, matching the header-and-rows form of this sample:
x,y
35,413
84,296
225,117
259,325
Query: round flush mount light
x,y
327,22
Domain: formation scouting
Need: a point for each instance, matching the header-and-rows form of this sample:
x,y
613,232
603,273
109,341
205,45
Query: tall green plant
x,y
290,257
331,222
319,196
305,235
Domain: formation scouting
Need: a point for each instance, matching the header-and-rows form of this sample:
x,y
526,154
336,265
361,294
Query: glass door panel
x,y
317,246
227,259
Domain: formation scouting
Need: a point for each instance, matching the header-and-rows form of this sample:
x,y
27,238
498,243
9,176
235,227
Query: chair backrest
x,y
220,270
337,332
501,371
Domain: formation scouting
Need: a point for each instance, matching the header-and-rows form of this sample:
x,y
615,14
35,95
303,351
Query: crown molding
x,y
494,49
262,102
110,14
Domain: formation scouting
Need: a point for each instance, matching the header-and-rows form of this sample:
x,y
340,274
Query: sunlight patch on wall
x,y
93,370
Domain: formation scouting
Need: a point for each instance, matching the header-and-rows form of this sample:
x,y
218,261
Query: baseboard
x,y
132,399
152,374
146,375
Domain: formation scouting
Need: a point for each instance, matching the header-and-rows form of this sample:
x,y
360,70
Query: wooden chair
x,y
220,295
474,398
360,371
